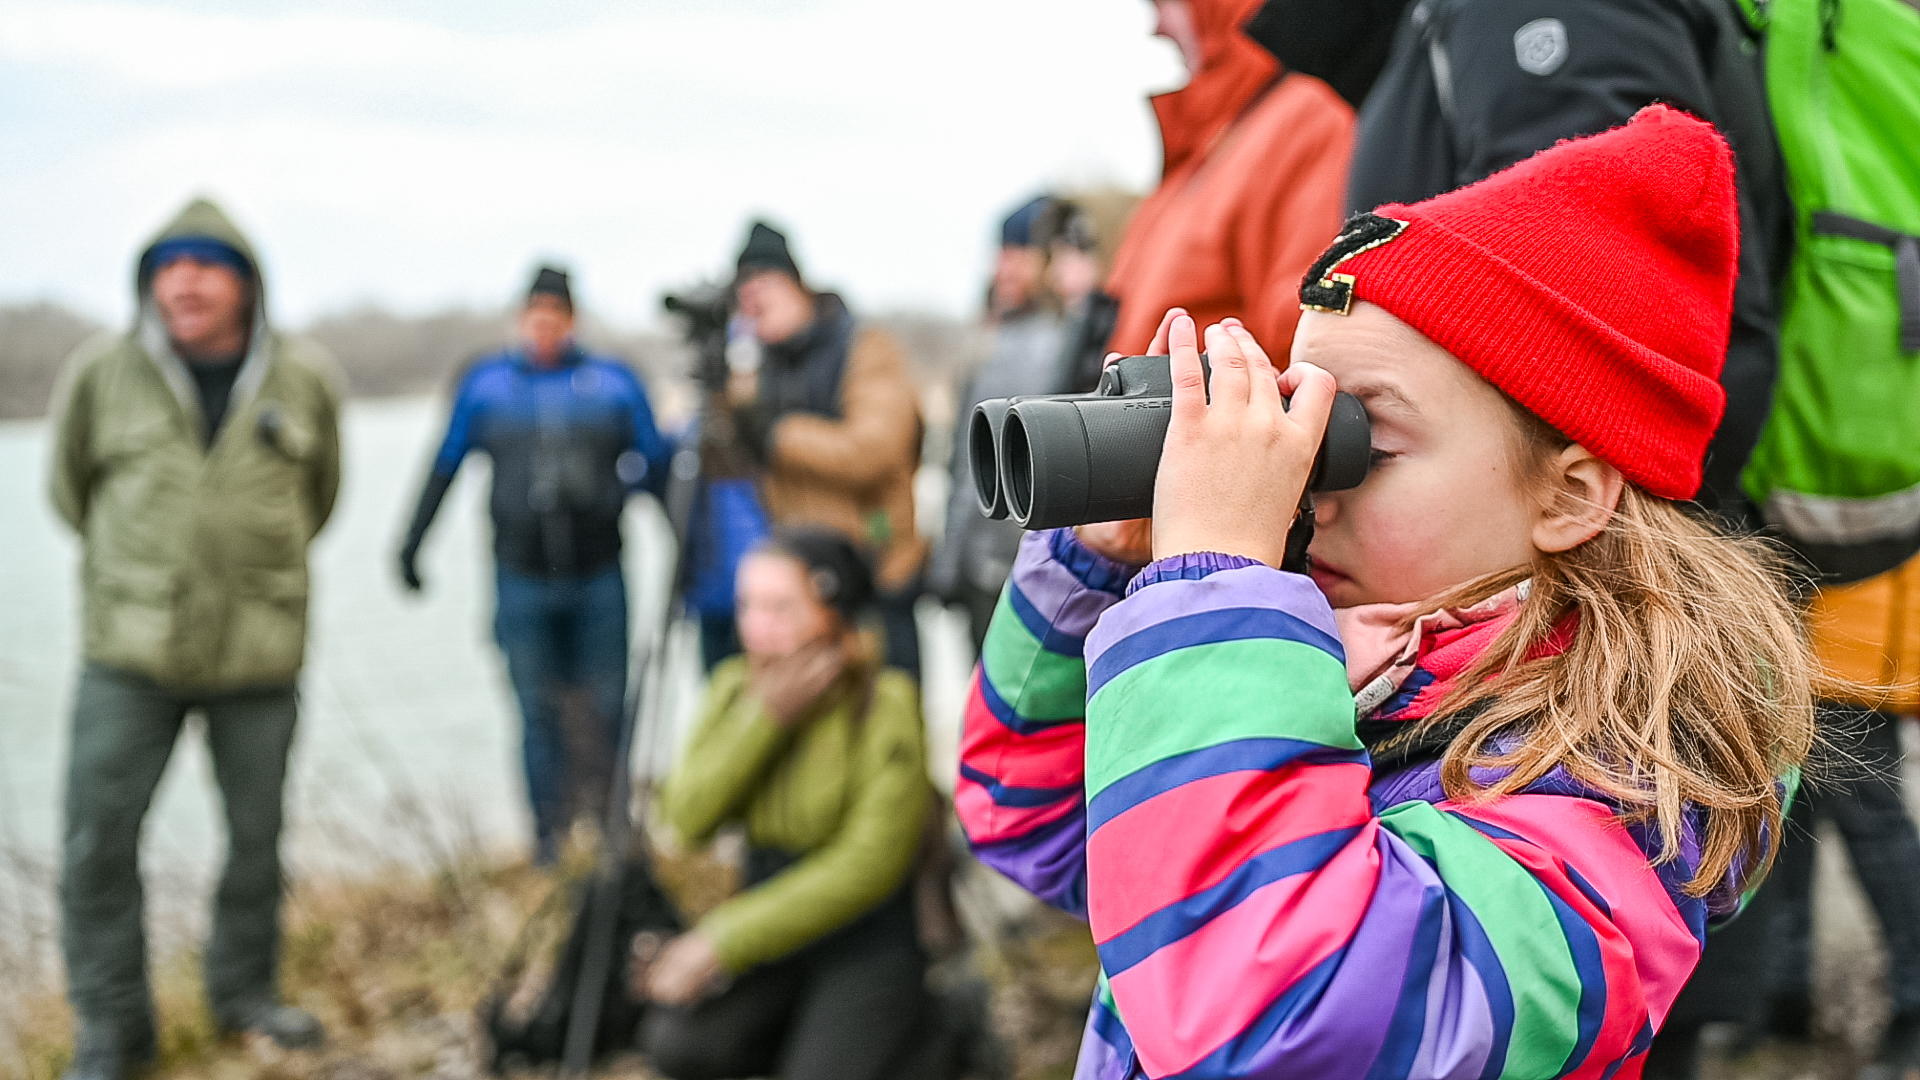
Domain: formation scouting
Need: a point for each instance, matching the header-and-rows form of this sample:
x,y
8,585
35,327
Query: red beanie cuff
x,y
1647,415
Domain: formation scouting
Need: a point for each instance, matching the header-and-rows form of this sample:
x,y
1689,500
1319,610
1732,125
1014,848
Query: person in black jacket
x,y
1472,86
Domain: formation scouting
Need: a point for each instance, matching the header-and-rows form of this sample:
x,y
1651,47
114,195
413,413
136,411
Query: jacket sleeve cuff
x,y
1192,566
730,940
1089,567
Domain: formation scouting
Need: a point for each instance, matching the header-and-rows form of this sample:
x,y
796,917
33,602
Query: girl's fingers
x,y
1247,343
1189,381
1111,357
1311,390
1161,339
1265,384
1230,375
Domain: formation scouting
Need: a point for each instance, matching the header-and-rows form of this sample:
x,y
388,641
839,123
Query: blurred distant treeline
x,y
384,354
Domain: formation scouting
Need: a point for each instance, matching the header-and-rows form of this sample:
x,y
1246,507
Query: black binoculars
x,y
1074,459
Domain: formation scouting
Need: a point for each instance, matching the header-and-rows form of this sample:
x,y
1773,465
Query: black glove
x,y
430,496
409,568
753,428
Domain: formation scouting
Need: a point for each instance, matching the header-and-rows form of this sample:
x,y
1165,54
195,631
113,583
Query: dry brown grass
x,y
393,966
1042,975
396,965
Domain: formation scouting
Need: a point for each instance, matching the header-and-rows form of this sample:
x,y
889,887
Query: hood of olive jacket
x,y
200,219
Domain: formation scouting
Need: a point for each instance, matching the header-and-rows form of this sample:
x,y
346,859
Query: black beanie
x,y
1066,223
766,250
837,569
549,281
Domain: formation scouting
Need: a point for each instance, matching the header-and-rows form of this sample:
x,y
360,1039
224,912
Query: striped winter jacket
x,y
1174,758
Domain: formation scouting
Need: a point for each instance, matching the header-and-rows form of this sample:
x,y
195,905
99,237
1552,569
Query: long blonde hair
x,y
1687,681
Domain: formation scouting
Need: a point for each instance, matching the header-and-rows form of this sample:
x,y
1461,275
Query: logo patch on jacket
x,y
1540,46
1324,290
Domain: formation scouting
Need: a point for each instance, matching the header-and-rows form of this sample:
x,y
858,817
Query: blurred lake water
x,y
408,746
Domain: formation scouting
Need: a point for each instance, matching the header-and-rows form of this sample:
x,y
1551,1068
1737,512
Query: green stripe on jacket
x,y
1305,687
1512,908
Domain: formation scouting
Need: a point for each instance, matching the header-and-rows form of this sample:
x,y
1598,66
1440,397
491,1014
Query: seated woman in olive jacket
x,y
814,969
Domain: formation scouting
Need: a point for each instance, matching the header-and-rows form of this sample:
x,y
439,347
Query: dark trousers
x,y
124,728
565,641
1882,843
899,630
1766,954
846,1008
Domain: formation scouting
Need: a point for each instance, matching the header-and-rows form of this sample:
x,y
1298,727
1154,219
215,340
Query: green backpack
x,y
1838,465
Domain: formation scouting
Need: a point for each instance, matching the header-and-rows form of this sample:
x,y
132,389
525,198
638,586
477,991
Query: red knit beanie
x,y
1593,283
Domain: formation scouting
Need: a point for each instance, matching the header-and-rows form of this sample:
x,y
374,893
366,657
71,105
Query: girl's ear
x,y
1583,492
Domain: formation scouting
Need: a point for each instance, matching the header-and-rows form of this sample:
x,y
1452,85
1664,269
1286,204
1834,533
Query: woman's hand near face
x,y
788,685
1233,470
685,971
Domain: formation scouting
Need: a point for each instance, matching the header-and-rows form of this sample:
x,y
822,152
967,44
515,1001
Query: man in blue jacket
x,y
571,436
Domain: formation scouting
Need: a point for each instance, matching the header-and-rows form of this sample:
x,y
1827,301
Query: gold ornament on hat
x,y
1324,290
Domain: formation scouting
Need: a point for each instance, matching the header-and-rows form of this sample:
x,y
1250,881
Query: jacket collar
x,y
151,335
1233,72
1400,671
570,356
829,318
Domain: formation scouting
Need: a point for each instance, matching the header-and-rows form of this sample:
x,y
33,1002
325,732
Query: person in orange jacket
x,y
1251,190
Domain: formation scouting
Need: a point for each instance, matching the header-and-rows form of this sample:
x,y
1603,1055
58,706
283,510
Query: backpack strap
x,y
1906,262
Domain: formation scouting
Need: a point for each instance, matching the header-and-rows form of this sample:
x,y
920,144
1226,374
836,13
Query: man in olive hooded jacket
x,y
196,454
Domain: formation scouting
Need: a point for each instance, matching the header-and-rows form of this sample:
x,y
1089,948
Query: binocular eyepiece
x,y
1074,459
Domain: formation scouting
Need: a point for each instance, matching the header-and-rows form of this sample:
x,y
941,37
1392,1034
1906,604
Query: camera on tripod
x,y
1075,459
706,308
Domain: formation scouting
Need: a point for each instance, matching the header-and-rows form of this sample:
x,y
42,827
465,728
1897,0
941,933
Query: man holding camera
x,y
196,455
571,436
832,415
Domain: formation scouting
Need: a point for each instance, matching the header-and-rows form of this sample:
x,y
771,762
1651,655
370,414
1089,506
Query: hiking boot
x,y
105,1054
288,1027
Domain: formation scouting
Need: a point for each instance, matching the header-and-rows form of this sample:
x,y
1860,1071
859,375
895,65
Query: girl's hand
x,y
685,970
1129,542
1233,471
1161,336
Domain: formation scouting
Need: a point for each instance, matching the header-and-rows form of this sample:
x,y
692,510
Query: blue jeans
x,y
565,641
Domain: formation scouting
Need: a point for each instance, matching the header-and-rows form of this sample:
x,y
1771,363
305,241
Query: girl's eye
x,y
1380,457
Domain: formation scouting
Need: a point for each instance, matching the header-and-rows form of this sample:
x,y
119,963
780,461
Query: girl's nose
x,y
1326,507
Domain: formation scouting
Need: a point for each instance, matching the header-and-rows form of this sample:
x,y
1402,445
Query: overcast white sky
x,y
420,153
